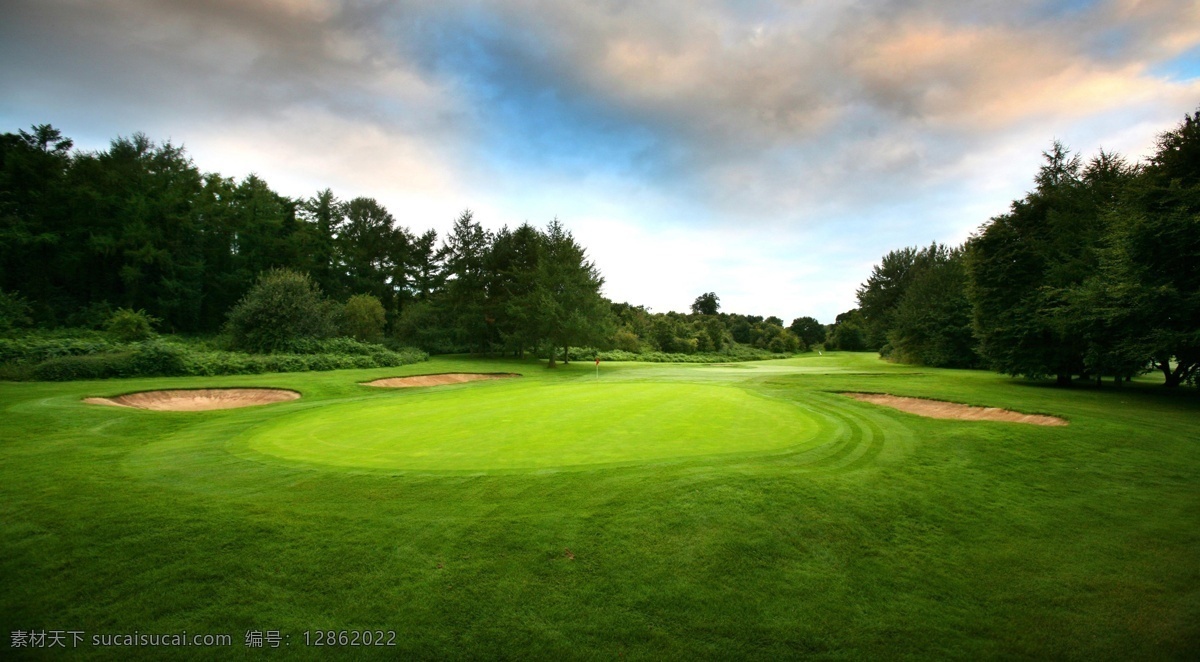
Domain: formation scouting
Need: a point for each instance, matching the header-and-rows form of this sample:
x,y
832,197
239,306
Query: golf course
x,y
622,511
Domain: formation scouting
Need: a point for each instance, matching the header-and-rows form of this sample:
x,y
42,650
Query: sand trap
x,y
438,380
202,399
940,409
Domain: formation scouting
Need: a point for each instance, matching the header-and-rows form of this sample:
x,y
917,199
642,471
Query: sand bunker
x,y
939,409
438,380
202,399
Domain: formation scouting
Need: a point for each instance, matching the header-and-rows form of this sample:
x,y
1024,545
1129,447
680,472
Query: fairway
x,y
479,428
746,511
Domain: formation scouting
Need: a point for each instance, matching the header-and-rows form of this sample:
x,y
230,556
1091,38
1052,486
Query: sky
x,y
769,151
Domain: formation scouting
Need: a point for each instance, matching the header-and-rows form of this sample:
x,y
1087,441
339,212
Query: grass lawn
x,y
743,511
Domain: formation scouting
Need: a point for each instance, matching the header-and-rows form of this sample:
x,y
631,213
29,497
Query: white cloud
x,y
778,149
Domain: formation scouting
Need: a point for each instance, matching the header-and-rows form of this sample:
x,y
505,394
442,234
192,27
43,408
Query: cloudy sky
x,y
769,151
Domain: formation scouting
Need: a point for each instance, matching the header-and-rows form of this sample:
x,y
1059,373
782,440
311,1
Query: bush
x,y
158,359
283,307
333,346
93,357
94,366
730,353
36,348
363,318
127,325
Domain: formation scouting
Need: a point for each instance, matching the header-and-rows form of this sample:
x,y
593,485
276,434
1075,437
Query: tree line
x,y
139,227
1094,273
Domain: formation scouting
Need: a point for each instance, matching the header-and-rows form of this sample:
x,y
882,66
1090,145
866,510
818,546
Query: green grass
x,y
505,427
730,511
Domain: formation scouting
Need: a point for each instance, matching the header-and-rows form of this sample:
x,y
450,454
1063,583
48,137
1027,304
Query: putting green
x,y
511,427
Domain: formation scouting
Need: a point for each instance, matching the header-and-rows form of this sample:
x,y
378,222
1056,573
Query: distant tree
x,y
420,324
47,139
669,333
741,330
848,333
808,330
572,310
464,296
426,275
513,267
1152,280
634,318
714,332
931,324
363,318
371,250
881,293
321,217
143,248
625,339
706,304
770,335
1022,264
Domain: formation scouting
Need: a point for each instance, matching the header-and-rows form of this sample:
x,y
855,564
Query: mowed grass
x,y
741,512
486,427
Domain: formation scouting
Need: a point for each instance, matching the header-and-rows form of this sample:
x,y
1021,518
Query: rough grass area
x,y
741,511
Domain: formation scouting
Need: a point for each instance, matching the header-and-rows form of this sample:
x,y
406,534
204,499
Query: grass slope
x,y
743,511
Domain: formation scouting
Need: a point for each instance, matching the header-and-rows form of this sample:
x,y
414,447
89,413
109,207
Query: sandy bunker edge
x,y
438,379
954,410
198,399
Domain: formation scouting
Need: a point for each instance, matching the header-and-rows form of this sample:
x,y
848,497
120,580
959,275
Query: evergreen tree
x,y
35,220
373,251
570,307
463,301
321,218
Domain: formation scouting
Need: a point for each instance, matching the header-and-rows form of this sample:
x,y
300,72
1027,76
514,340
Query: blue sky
x,y
771,152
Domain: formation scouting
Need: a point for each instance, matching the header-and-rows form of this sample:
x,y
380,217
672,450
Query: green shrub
x,y
730,353
94,366
127,325
61,359
283,307
333,346
158,359
363,318
36,348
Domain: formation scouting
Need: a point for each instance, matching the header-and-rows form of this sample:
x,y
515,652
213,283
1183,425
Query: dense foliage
x,y
139,237
83,355
1095,272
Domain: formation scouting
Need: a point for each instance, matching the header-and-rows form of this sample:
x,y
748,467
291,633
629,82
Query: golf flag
x,y
597,360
